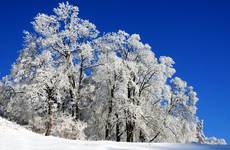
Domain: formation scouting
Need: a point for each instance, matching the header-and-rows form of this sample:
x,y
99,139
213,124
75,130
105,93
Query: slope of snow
x,y
15,137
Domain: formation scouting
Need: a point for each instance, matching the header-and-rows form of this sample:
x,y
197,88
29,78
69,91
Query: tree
x,y
69,39
130,75
22,73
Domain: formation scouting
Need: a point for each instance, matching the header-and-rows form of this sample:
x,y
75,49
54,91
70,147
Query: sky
x,y
195,33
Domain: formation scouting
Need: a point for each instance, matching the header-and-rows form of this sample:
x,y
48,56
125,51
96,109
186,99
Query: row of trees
x,y
73,82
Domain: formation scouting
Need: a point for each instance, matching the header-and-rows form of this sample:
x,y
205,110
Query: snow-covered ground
x,y
15,137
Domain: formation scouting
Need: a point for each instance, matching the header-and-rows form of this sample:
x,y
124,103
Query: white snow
x,y
15,137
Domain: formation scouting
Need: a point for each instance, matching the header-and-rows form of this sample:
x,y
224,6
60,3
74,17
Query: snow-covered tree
x,y
202,139
69,39
22,73
133,79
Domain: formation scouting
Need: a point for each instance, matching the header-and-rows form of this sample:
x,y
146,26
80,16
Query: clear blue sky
x,y
195,33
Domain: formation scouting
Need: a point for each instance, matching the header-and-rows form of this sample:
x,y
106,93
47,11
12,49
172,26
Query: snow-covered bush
x,y
67,127
62,126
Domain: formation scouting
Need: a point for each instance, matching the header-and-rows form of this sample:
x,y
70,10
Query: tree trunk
x,y
75,109
130,124
77,115
130,131
72,97
141,137
108,127
108,131
49,111
49,125
118,134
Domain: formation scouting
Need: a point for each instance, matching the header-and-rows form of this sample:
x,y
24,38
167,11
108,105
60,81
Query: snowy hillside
x,y
13,137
